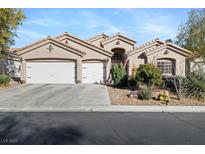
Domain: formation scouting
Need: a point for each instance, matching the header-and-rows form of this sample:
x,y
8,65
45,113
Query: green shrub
x,y
195,86
132,81
145,93
4,80
119,75
168,84
149,74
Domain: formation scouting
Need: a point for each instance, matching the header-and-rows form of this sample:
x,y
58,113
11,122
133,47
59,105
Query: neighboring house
x,y
11,64
68,59
196,63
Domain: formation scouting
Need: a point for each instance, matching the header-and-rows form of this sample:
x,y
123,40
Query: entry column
x,y
79,71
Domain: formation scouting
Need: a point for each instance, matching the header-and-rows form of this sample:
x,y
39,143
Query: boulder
x,y
161,94
134,94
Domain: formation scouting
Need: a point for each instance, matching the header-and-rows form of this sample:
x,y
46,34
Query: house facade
x,y
68,59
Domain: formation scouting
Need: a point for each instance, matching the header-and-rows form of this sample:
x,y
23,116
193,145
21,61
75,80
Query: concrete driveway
x,y
50,96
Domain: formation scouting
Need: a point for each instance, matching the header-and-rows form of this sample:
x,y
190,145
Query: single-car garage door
x,y
92,72
50,72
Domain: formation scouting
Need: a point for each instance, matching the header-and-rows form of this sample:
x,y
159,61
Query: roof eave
x,y
85,43
50,40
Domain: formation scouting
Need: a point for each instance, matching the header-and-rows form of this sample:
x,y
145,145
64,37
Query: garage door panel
x,y
50,72
92,72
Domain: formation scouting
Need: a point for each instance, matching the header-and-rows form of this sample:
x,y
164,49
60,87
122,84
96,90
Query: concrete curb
x,y
183,108
109,108
119,108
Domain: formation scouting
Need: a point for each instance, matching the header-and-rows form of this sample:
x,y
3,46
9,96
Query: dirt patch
x,y
119,97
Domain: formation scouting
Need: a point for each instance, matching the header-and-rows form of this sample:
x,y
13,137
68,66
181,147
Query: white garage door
x,y
50,72
92,72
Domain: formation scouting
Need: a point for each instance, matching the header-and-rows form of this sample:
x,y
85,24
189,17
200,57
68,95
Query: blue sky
x,y
140,24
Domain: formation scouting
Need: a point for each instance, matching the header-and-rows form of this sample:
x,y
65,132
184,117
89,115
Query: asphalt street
x,y
102,128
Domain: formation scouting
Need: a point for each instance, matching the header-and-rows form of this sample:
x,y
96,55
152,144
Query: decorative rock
x,y
134,94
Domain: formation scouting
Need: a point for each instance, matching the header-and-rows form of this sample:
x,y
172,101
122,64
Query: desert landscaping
x,y
119,96
147,86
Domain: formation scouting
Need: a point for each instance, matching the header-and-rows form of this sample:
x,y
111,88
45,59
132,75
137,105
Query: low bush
x,y
145,93
167,83
4,80
119,75
132,81
149,74
195,86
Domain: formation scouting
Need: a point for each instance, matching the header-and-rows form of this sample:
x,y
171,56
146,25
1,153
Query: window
x,y
117,56
166,66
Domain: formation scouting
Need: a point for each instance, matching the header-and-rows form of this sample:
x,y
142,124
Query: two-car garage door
x,y
50,72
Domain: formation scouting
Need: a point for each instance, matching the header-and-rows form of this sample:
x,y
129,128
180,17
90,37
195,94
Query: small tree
x,y
10,19
179,82
119,75
149,74
192,33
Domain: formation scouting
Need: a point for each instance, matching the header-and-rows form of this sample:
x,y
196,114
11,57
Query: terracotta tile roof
x,y
13,49
52,39
155,48
85,43
194,55
143,46
161,43
178,47
32,44
118,35
166,46
97,36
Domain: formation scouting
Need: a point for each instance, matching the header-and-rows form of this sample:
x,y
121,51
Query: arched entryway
x,y
120,57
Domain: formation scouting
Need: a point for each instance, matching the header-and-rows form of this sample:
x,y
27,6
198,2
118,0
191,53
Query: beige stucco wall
x,y
97,42
135,60
111,45
179,59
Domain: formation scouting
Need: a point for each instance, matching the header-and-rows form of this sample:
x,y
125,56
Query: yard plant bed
x,y
12,84
118,96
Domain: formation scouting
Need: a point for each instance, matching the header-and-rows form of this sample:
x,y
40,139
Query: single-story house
x,y
68,59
